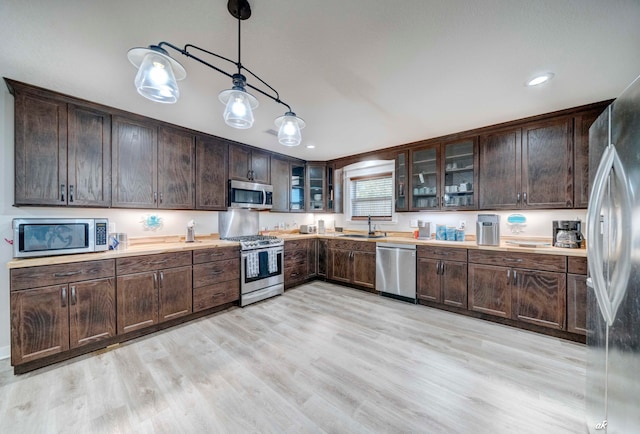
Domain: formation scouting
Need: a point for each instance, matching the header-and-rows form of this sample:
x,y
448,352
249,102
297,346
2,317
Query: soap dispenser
x,y
191,237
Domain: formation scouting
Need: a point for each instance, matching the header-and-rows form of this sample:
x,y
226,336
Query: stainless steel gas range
x,y
261,269
262,256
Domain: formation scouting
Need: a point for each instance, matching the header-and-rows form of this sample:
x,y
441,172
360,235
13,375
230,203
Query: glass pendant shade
x,y
289,129
239,105
155,79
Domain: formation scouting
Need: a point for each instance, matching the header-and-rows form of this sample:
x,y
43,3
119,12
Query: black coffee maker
x,y
567,234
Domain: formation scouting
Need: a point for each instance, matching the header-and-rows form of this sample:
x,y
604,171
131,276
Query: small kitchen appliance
x,y
58,236
250,195
488,230
567,234
425,229
308,229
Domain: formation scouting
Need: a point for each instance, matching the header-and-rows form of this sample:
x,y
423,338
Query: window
x,y
372,196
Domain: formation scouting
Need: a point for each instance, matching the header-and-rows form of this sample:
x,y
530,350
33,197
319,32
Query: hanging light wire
x,y
158,73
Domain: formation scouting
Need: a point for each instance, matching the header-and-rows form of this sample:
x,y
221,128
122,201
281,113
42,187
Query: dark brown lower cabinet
x,y
577,295
300,259
92,311
152,289
352,262
39,323
137,301
442,275
61,314
489,290
520,286
322,258
216,277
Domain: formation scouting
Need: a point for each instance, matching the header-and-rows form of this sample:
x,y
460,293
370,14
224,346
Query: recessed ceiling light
x,y
311,146
542,78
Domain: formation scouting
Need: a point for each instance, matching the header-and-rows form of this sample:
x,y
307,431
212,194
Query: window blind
x,y
372,196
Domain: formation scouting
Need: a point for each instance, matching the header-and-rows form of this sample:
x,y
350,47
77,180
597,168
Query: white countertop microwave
x,y
58,236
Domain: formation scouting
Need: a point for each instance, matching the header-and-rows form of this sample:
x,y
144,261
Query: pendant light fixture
x,y
158,74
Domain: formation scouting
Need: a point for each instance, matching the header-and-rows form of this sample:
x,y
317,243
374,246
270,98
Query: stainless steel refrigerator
x,y
613,250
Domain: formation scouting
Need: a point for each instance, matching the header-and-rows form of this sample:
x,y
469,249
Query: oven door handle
x,y
278,249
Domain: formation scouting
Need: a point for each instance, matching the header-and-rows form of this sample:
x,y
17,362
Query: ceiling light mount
x,y
158,74
540,79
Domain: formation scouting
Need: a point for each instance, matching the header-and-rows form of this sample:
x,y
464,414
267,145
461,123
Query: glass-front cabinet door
x,y
316,177
459,168
425,183
330,192
297,188
402,182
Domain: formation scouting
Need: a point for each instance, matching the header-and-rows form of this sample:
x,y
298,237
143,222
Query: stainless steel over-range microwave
x,y
250,195
58,236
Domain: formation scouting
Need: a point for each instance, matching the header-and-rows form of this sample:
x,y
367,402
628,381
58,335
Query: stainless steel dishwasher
x,y
396,270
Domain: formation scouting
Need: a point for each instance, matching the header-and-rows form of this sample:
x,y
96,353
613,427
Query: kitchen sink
x,y
362,236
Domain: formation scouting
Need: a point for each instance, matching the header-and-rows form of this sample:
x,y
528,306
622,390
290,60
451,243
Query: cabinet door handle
x,y
63,296
442,267
518,198
73,295
161,279
71,193
508,275
515,276
524,197
70,273
61,192
161,197
155,279
155,197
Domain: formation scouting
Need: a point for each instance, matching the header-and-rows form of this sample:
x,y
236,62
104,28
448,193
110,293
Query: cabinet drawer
x,y
138,264
362,246
295,274
215,254
47,275
448,253
292,257
216,295
531,261
290,245
216,272
576,265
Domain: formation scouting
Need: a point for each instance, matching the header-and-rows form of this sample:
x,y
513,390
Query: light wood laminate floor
x,y
320,358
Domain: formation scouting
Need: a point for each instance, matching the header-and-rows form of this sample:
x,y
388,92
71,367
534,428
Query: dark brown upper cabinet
x,y
425,186
246,164
402,181
316,185
212,160
62,151
581,189
527,167
153,167
280,175
460,176
443,176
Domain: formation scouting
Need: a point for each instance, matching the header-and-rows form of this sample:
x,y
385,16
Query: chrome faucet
x,y
369,223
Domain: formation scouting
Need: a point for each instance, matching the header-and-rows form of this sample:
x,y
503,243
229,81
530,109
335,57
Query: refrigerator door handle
x,y
609,301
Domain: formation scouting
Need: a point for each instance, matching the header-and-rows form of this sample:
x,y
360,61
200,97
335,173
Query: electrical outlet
x,y
462,224
414,223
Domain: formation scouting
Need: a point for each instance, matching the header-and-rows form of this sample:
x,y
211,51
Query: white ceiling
x,y
364,74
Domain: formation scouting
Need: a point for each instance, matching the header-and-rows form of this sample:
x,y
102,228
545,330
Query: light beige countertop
x,y
165,245
138,249
401,239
